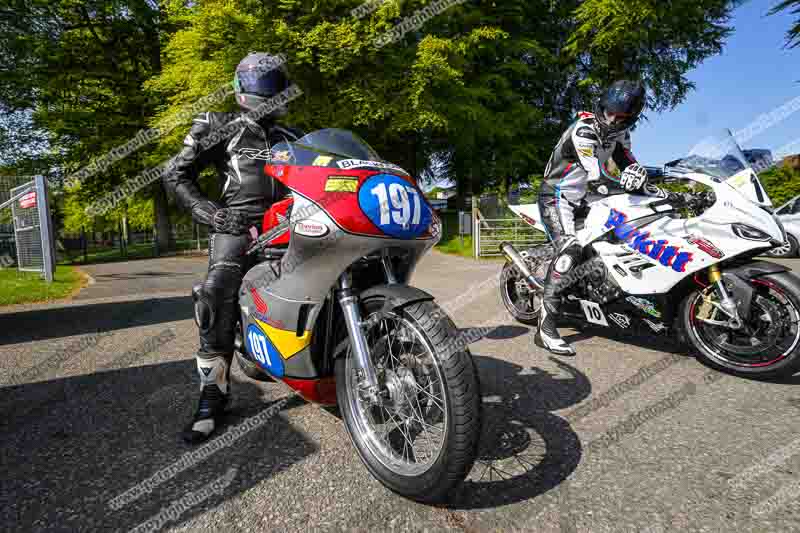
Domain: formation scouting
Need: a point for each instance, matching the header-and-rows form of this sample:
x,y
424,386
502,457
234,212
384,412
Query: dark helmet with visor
x,y
258,78
620,107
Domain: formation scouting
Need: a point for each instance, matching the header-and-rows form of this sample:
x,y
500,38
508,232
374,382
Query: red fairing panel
x,y
274,216
320,391
340,206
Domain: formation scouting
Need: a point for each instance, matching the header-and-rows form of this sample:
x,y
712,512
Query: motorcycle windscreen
x,y
749,186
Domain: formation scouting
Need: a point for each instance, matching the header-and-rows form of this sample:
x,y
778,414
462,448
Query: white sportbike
x,y
683,265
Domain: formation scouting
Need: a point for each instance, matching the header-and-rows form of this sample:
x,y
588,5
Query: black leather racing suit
x,y
239,148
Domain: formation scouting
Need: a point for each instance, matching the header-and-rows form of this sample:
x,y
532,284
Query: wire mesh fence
x,y
27,229
492,232
13,216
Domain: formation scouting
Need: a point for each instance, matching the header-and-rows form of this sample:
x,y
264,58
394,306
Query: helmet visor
x,y
622,106
260,82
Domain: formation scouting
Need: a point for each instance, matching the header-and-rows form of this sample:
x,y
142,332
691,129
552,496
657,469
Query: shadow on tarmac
x,y
71,445
526,450
57,322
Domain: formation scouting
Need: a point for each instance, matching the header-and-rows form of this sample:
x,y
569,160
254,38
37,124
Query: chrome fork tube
x,y
352,317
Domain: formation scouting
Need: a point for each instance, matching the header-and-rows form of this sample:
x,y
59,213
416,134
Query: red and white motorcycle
x,y
650,267
329,310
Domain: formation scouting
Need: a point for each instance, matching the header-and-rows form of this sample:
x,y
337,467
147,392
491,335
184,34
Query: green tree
x,y
76,70
654,40
478,94
793,35
782,183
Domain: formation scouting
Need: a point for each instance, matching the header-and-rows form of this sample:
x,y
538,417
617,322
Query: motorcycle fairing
x,y
532,216
262,350
714,226
312,265
748,185
368,207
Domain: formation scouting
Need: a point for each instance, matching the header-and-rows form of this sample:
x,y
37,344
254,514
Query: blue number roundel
x,y
393,205
263,351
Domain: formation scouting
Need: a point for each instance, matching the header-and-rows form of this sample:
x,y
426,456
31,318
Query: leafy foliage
x,y
793,35
782,183
652,40
478,94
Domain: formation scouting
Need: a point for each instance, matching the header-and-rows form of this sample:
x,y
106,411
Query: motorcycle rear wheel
x,y
521,301
769,344
422,440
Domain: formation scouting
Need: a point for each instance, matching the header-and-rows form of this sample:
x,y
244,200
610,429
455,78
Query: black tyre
x,y
769,343
519,301
422,440
789,248
522,302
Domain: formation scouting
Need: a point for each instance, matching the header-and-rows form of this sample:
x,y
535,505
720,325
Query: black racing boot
x,y
214,398
548,337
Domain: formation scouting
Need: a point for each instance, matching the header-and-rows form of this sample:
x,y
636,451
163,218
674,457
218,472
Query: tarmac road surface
x,y
630,435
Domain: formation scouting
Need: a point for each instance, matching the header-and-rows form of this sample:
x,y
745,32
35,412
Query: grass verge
x,y
455,246
28,287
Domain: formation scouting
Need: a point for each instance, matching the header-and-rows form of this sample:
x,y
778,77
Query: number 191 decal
x,y
264,352
395,206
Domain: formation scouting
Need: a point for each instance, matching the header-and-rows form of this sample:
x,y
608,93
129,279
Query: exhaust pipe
x,y
512,255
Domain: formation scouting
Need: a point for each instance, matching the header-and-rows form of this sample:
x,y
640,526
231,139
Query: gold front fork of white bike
x,y
727,303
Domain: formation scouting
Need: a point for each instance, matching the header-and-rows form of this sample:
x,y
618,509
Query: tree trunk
x,y
163,225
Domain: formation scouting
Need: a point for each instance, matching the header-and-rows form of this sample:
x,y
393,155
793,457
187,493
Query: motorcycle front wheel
x,y
768,344
420,438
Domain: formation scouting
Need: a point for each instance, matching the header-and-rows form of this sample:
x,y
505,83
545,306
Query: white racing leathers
x,y
579,157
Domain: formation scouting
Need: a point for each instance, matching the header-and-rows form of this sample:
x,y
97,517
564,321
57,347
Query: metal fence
x,y
28,200
492,232
92,246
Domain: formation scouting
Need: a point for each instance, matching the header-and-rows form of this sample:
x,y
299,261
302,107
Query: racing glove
x,y
633,178
221,220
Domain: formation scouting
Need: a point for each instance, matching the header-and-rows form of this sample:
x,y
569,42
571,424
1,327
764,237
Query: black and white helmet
x,y
620,107
259,77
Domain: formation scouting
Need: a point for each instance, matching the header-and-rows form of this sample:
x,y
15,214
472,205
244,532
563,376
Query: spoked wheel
x,y
767,345
519,299
420,437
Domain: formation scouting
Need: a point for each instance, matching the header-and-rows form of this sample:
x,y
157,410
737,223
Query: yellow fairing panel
x,y
287,342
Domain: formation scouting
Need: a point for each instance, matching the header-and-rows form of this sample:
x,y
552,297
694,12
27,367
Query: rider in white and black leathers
x,y
581,156
238,145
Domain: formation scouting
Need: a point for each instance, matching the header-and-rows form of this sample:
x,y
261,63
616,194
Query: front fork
x,y
727,304
348,299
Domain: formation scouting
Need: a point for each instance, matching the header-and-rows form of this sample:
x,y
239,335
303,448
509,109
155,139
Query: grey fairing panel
x,y
398,295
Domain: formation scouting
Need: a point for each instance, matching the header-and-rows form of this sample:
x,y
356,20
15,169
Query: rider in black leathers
x,y
238,145
580,157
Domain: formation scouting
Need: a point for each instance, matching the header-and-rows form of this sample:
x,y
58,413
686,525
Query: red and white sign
x,y
310,228
28,200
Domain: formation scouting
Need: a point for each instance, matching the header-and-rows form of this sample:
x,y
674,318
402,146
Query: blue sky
x,y
753,75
